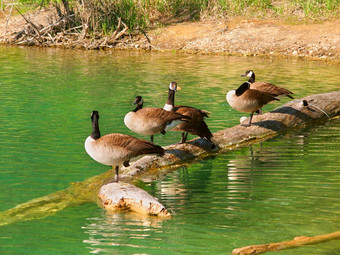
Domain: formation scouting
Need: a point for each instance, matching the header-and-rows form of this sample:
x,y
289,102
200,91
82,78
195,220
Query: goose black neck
x,y
252,78
138,107
171,97
95,127
243,88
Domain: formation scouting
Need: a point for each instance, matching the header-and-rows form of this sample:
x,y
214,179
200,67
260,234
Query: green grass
x,y
142,14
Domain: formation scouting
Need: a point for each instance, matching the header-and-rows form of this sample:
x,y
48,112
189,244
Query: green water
x,y
285,187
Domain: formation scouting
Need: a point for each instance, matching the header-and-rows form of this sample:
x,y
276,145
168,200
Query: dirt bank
x,y
237,36
252,37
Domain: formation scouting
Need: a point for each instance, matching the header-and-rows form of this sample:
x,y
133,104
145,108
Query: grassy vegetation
x,y
103,15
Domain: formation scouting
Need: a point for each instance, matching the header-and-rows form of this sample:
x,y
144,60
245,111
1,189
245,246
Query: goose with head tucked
x,y
117,149
266,86
152,120
196,125
245,99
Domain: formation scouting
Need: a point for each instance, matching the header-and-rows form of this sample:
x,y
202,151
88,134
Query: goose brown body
x,y
266,86
196,125
151,120
116,149
248,100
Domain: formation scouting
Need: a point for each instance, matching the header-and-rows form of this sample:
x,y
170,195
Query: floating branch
x,y
297,242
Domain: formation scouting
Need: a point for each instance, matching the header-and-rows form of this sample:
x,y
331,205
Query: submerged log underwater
x,y
291,115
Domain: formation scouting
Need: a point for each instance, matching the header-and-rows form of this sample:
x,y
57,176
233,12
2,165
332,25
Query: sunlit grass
x,y
140,15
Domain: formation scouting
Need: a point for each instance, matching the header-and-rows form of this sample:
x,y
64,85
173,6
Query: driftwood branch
x,y
124,196
297,242
70,28
39,39
288,116
7,18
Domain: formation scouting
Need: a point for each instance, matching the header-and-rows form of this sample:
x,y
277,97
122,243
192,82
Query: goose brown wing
x,y
196,125
271,89
134,145
260,96
192,112
161,114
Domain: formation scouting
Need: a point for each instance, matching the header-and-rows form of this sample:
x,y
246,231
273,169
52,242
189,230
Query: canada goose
x,y
151,120
196,125
249,100
266,86
116,149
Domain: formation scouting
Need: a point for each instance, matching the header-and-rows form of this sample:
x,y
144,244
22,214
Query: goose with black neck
x,y
117,149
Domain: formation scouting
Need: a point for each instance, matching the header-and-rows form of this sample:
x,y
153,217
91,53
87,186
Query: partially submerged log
x,y
291,115
297,242
127,197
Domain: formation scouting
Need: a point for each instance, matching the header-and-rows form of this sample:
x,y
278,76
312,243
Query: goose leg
x,y
116,174
184,137
151,138
251,117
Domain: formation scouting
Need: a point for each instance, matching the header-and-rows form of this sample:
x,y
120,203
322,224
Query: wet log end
x,y
127,197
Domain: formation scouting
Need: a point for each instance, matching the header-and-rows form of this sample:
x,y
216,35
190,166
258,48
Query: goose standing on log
x,y
266,86
245,99
116,149
196,125
152,120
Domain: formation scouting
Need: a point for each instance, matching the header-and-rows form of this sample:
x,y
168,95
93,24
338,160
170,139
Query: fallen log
x,y
127,197
291,115
297,242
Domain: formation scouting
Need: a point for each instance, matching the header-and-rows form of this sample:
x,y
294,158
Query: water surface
x,y
285,187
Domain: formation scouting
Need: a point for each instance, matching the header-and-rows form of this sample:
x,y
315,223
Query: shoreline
x,y
235,37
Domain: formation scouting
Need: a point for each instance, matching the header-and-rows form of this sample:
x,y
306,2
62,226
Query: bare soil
x,y
252,37
238,36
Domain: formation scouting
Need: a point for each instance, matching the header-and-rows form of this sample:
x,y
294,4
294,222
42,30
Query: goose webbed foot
x,y
246,125
249,124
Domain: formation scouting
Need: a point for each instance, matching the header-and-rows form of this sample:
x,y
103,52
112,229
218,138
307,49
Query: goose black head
x,y
173,86
248,73
95,126
138,101
94,114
